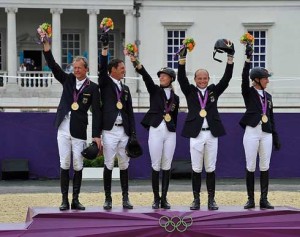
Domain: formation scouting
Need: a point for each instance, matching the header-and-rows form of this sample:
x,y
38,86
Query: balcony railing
x,y
29,79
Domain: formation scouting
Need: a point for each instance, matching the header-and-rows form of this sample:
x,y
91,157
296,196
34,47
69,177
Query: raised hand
x,y
249,50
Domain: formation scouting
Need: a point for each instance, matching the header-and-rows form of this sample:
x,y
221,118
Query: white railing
x,y
34,79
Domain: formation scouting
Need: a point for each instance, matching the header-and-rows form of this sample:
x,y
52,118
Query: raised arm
x,y
57,71
103,72
142,71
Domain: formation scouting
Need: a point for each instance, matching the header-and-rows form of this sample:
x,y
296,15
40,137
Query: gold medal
x,y
202,113
167,117
264,118
75,106
119,105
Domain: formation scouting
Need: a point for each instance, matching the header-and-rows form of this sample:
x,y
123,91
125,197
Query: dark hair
x,y
114,63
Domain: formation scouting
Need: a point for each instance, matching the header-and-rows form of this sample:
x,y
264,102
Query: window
x,y
174,41
70,48
112,50
260,48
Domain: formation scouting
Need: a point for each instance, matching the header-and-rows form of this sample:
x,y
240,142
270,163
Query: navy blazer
x,y
193,122
253,114
156,112
109,100
90,97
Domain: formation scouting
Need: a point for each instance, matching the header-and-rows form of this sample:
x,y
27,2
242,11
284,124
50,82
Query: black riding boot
x,y
64,186
196,185
124,186
76,205
264,186
164,189
155,188
211,186
250,190
107,188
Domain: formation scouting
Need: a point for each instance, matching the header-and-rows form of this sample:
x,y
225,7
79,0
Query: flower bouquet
x,y
247,38
189,43
44,32
106,24
131,49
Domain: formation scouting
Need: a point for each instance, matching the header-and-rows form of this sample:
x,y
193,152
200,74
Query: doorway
x,y
36,56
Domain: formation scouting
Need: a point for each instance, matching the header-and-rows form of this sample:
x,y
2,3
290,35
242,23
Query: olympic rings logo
x,y
175,223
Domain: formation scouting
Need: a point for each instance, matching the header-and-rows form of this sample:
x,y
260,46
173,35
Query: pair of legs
x,y
114,143
162,145
204,149
257,142
69,146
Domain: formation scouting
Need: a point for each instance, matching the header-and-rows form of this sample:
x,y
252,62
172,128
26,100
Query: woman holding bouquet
x,y
260,133
161,121
203,124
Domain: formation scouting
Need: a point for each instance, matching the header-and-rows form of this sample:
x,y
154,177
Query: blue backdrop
x,y
32,136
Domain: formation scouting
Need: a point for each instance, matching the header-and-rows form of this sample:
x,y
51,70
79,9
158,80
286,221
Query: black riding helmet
x,y
259,72
169,71
221,46
91,151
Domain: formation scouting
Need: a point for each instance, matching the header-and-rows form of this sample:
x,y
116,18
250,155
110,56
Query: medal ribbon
x,y
203,102
168,107
263,103
119,94
75,94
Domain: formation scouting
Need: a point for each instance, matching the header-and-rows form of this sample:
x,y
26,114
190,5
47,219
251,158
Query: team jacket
x,y
90,97
253,114
109,100
193,122
156,113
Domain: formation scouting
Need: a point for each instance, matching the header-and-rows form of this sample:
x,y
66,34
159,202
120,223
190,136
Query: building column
x,y
93,43
129,38
11,43
56,34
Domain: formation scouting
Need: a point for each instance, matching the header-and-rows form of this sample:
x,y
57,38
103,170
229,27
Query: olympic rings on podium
x,y
175,223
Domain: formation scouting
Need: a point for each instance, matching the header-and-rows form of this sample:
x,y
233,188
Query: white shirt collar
x,y
79,83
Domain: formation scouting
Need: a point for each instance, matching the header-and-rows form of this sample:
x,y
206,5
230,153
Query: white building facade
x,y
157,27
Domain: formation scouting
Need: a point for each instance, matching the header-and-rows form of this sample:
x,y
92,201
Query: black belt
x,y
118,124
205,129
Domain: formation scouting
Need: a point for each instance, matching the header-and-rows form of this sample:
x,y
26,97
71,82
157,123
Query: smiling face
x,y
80,68
119,71
201,78
164,80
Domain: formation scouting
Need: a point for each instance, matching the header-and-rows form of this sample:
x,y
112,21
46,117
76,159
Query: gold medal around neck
x,y
119,105
264,118
75,106
203,113
167,118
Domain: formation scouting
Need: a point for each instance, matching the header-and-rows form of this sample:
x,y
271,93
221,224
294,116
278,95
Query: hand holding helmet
x,y
133,148
223,46
91,152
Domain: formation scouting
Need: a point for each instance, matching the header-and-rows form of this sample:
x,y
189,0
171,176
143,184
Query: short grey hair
x,y
81,58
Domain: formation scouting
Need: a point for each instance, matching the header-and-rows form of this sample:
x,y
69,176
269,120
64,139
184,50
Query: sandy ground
x,y
14,206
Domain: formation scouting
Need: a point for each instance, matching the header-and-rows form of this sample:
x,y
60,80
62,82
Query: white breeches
x,y
257,142
204,149
162,145
69,146
114,143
